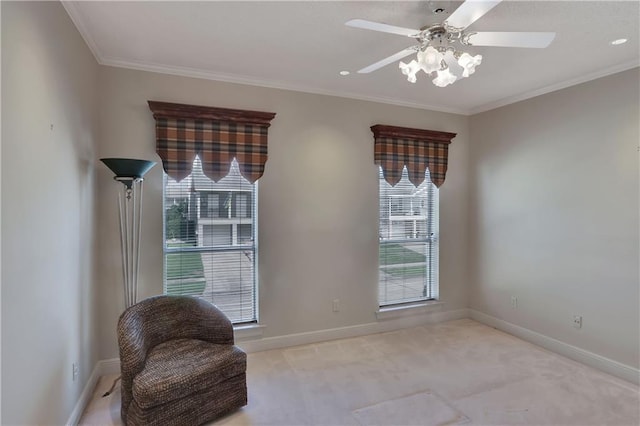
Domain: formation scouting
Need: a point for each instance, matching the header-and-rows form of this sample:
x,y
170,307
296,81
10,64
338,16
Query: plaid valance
x,y
216,135
396,147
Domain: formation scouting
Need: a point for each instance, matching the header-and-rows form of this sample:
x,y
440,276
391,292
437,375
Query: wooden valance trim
x,y
382,131
416,149
215,135
196,112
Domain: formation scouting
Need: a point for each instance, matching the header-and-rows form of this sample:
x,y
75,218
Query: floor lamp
x,y
130,173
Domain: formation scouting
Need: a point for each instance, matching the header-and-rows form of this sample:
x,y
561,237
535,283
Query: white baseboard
x,y
85,397
112,366
109,366
626,372
598,362
101,368
288,340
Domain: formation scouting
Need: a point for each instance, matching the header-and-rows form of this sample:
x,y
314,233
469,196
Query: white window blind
x,y
408,233
210,241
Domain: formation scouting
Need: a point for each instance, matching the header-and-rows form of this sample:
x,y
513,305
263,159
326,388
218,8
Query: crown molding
x,y
554,87
78,21
252,81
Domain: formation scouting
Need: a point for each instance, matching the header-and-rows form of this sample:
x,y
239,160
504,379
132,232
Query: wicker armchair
x,y
178,362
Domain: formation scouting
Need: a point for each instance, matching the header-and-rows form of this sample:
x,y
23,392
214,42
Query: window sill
x,y
248,331
407,310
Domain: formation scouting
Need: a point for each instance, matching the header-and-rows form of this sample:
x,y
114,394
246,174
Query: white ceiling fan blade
x,y
469,12
376,26
511,39
386,61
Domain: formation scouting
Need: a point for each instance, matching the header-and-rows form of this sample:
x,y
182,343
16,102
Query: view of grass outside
x,y
395,254
403,272
185,273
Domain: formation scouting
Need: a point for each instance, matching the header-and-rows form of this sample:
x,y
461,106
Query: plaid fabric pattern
x,y
217,143
392,154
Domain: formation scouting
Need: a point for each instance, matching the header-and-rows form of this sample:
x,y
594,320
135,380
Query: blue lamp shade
x,y
127,167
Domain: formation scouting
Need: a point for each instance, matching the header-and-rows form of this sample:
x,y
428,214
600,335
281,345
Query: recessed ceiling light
x,y
619,41
344,73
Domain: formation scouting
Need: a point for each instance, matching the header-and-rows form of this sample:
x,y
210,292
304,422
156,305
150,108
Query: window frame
x,y
430,241
253,200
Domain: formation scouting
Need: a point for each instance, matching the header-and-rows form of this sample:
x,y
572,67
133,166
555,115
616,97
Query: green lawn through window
x,y
185,273
396,254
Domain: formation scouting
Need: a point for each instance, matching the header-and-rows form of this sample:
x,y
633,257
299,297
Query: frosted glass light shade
x,y
448,64
444,78
469,63
429,60
410,70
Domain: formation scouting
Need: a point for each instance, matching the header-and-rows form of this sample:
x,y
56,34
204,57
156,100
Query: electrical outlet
x,y
336,305
577,321
514,302
75,371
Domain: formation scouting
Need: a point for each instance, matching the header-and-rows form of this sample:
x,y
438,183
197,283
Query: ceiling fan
x,y
436,48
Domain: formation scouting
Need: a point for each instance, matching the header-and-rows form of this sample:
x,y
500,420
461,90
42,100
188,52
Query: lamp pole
x,y
130,173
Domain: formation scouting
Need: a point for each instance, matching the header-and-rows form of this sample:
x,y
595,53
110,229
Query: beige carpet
x,y
458,372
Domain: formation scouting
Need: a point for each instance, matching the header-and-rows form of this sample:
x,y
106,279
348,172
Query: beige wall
x,y
543,205
318,211
48,79
555,215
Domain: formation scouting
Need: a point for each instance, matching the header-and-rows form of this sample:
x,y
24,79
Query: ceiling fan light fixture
x,y
449,64
430,59
437,43
444,78
410,70
451,58
469,63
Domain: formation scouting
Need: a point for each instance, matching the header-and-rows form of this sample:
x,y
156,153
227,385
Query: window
x,y
408,257
212,158
415,162
210,240
209,205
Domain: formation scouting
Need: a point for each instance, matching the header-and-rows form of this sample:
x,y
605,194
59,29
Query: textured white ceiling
x,y
304,45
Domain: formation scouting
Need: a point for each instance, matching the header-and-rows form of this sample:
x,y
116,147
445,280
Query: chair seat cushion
x,y
181,367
